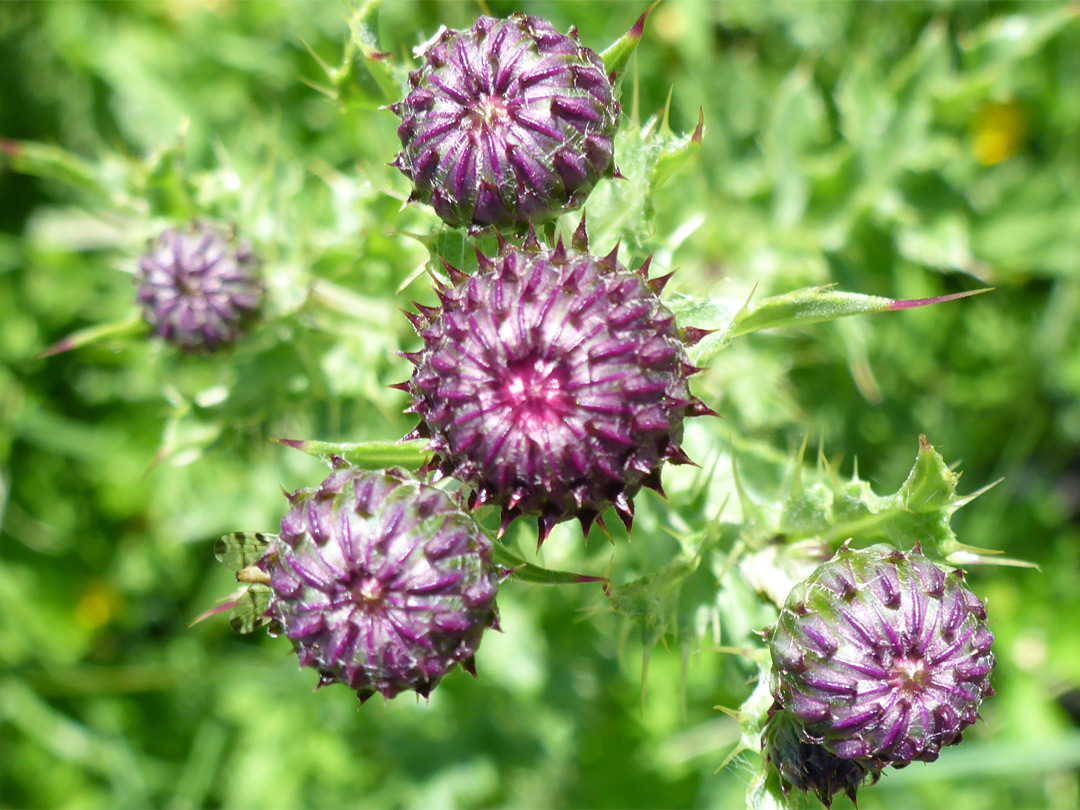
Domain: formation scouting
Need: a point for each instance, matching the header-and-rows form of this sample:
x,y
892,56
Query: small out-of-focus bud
x,y
198,287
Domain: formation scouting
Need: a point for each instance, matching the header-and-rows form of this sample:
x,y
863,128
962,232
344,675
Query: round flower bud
x,y
810,768
882,656
198,287
381,581
553,383
506,123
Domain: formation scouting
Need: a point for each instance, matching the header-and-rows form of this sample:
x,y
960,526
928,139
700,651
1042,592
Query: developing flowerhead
x,y
198,287
381,581
505,123
807,767
553,383
882,656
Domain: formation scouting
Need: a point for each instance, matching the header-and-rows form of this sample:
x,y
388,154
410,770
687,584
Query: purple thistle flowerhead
x,y
882,656
807,767
381,581
198,287
553,383
506,123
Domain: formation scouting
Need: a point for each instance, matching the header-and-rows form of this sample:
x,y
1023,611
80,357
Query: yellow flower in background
x,y
999,131
97,605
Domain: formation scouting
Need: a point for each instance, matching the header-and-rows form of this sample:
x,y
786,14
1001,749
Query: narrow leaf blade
x,y
411,455
527,572
131,325
820,304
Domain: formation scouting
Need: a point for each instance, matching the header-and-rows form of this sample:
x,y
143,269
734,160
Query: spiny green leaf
x,y
617,54
527,572
647,157
931,485
131,325
754,711
679,151
730,318
55,163
411,455
819,304
787,535
762,793
362,26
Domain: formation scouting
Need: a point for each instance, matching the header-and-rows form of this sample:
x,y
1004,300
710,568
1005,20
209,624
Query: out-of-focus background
x,y
898,149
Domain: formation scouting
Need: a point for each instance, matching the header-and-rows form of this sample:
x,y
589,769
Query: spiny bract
x,y
198,287
381,581
506,123
552,382
882,656
810,768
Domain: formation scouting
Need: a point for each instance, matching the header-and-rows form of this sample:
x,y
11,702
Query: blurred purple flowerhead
x,y
381,581
198,287
506,123
553,383
882,656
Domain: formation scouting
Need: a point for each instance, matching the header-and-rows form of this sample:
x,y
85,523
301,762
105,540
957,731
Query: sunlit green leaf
x,y
409,455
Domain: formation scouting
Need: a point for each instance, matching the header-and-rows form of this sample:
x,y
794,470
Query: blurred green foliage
x,y
903,150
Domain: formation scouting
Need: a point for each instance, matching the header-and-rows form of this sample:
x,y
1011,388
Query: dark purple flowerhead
x,y
553,383
882,656
506,123
810,768
198,287
381,581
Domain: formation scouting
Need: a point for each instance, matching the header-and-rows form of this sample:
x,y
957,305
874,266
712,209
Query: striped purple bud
x,y
553,383
198,287
882,656
381,581
506,123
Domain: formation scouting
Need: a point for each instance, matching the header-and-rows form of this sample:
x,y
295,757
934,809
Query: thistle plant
x,y
555,373
506,123
553,383
809,767
882,657
381,582
198,287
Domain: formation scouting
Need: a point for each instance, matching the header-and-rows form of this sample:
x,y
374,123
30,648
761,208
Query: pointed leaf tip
x,y
580,240
619,52
699,130
820,304
913,303
295,444
92,334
